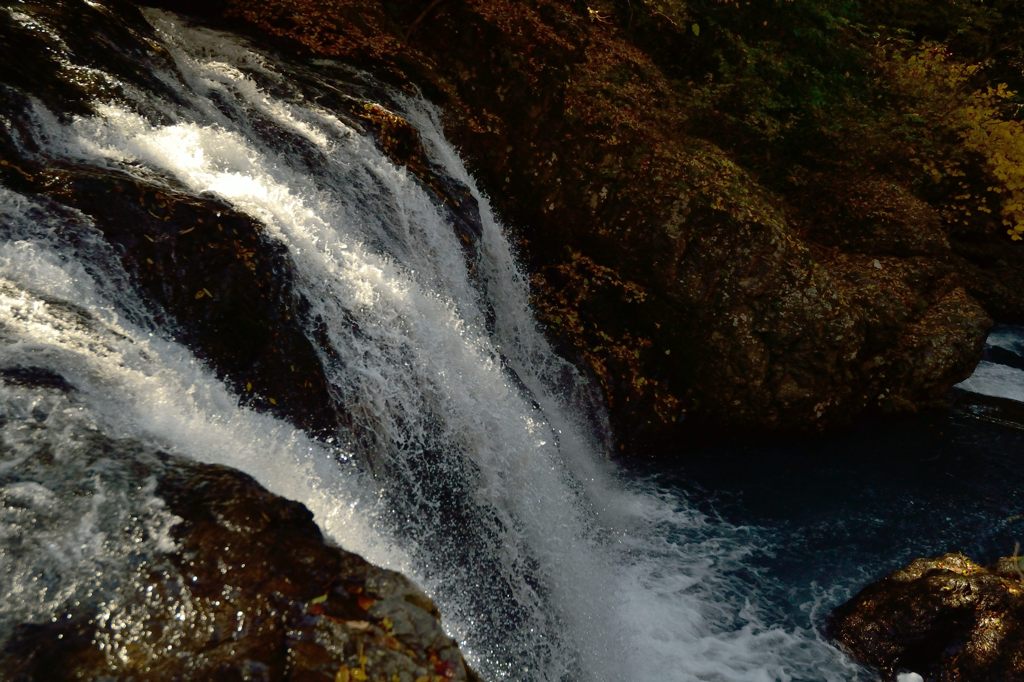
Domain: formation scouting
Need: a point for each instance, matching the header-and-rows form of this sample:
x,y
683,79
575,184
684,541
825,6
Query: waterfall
x,y
1000,374
474,457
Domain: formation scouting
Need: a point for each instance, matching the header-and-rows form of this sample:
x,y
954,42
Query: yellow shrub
x,y
937,94
1001,144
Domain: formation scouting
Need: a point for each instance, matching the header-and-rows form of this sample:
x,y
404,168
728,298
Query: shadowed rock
x,y
226,288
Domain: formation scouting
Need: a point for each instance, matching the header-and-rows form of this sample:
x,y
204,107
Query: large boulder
x,y
946,618
126,562
694,292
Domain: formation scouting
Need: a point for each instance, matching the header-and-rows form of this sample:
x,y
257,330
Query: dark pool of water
x,y
835,513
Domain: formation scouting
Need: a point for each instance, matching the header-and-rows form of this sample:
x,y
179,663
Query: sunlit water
x,y
475,463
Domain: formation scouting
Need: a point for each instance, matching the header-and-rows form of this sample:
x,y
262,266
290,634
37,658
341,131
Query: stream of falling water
x,y
475,463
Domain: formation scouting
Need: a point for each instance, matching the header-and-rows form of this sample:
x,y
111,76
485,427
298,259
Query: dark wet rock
x,y
989,408
249,589
38,377
946,619
225,287
42,42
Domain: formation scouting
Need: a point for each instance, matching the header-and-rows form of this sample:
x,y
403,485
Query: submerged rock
x,y
945,618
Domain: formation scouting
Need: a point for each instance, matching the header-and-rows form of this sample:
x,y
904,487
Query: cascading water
x,y
472,455
1000,374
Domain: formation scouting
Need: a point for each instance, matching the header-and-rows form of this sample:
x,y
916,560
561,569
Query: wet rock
x,y
997,410
945,618
245,587
225,287
34,376
40,43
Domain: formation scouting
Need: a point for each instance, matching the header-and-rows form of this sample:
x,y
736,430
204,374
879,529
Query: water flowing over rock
x,y
224,579
945,618
229,289
686,286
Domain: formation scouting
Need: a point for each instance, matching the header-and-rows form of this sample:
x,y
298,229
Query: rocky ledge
x,y
945,618
200,573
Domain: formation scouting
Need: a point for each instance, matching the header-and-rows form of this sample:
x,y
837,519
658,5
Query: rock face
x,y
243,586
695,293
700,288
946,619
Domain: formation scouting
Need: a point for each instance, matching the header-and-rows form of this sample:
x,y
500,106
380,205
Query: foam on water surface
x,y
1007,337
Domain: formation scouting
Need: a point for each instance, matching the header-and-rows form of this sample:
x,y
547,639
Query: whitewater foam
x,y
996,379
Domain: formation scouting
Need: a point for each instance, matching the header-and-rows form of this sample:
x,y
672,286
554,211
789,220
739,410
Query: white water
x,y
996,379
474,465
1009,338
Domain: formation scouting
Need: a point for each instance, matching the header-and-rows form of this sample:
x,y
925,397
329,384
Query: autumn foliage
x,y
925,92
961,131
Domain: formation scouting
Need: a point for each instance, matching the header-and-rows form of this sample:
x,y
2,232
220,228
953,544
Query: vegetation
x,y
924,91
